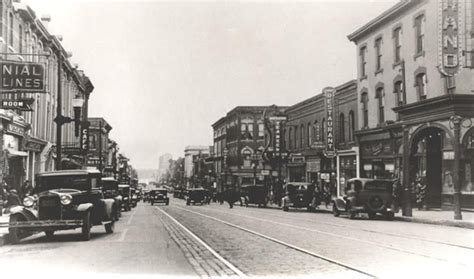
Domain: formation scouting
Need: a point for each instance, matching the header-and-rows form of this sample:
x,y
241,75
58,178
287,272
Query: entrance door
x,y
426,162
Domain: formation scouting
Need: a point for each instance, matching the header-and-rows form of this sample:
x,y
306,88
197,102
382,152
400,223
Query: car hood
x,y
71,192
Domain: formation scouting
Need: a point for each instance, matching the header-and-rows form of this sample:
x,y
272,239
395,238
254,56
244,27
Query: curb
x,y
450,223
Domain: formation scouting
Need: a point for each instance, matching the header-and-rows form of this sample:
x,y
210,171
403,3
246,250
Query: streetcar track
x,y
288,245
406,236
340,236
205,245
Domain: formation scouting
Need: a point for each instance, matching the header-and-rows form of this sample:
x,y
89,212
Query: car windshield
x,y
125,190
163,192
109,185
79,182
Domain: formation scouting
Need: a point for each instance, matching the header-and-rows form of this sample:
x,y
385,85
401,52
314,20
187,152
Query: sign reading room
x,y
22,77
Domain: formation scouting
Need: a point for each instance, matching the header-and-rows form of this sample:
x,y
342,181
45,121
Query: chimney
x,y
45,19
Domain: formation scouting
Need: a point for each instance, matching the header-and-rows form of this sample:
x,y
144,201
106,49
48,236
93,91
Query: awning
x,y
13,153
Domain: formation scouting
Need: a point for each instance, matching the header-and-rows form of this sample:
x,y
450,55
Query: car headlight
x,y
65,199
29,201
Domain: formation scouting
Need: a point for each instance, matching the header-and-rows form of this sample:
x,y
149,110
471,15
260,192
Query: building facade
x,y
163,165
98,155
416,100
316,125
190,154
29,137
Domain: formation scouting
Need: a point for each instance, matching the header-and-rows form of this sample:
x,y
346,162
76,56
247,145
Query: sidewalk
x,y
3,231
439,217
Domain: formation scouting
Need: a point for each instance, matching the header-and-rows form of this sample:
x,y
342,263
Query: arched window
x,y
302,136
365,109
247,156
342,134
316,131
421,82
398,90
309,134
290,138
10,27
296,137
323,129
351,125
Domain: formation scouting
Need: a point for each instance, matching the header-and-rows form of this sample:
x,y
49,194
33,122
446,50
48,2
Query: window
x,y
20,39
317,136
378,54
290,139
323,136
397,44
380,95
246,129
92,143
296,137
420,34
261,131
421,86
247,157
342,128
398,90
1,18
10,26
309,134
351,126
365,109
302,136
363,62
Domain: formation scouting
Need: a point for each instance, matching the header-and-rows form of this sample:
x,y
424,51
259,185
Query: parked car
x,y
134,197
298,195
159,195
197,195
255,194
126,194
146,195
365,195
63,200
111,191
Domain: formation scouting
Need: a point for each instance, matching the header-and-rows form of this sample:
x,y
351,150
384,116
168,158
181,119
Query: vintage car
x,y
126,194
197,195
298,195
134,197
159,195
63,200
146,195
365,195
111,191
254,194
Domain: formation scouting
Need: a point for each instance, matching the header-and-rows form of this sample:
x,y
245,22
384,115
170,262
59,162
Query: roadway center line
x,y
213,252
122,237
131,217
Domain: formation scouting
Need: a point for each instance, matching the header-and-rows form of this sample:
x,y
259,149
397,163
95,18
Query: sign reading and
x,y
330,151
451,36
22,77
21,104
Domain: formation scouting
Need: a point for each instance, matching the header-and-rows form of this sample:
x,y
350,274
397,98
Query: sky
x,y
165,71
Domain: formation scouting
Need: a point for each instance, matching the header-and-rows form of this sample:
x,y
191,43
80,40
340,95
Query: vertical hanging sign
x,y
450,37
330,150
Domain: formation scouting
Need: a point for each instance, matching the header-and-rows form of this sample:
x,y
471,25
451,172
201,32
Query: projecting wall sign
x,y
22,77
330,151
450,37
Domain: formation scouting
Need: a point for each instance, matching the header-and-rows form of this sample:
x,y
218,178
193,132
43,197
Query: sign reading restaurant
x,y
22,77
451,34
330,150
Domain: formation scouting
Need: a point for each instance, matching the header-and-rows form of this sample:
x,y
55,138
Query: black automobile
x,y
159,196
198,195
63,200
370,196
111,191
134,197
126,194
255,194
298,195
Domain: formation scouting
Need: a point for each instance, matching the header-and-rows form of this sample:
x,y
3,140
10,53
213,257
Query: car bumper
x,y
46,224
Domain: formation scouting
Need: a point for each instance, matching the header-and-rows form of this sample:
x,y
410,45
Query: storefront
x,y
347,167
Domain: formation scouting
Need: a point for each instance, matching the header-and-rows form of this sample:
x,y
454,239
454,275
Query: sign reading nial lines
x,y
22,77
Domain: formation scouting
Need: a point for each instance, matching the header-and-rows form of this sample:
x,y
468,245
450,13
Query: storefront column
x,y
456,120
407,209
338,178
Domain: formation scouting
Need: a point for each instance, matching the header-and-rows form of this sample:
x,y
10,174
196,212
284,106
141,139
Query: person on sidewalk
x,y
420,194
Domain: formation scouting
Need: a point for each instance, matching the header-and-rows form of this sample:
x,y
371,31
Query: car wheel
x,y
285,208
86,226
375,203
110,227
188,203
335,211
352,215
14,234
371,215
49,234
389,216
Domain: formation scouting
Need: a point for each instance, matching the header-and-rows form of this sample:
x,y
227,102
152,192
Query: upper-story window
x,y
246,129
420,33
261,130
316,134
397,44
365,109
351,126
342,128
421,82
10,28
296,137
380,95
20,39
378,54
309,134
398,90
290,140
302,136
363,62
323,129
1,18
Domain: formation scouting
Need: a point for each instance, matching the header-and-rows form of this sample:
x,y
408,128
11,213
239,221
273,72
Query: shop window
x,y
380,95
261,131
351,126
365,109
397,44
421,86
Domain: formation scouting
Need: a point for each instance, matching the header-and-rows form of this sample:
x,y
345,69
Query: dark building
x,y
98,143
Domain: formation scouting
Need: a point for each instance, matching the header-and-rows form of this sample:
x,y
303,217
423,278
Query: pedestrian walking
x,y
420,194
326,192
396,192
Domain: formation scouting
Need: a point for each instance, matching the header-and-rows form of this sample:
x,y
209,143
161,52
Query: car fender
x,y
26,213
108,207
340,204
83,207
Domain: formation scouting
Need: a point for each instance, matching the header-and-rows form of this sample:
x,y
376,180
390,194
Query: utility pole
x,y
59,117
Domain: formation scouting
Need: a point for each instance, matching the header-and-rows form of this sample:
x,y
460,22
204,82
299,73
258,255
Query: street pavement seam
x,y
333,261
202,258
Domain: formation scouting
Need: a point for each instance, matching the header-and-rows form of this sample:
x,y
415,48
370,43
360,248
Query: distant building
x,y
190,154
98,143
163,165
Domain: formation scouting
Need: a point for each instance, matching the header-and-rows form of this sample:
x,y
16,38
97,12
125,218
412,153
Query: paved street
x,y
214,240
